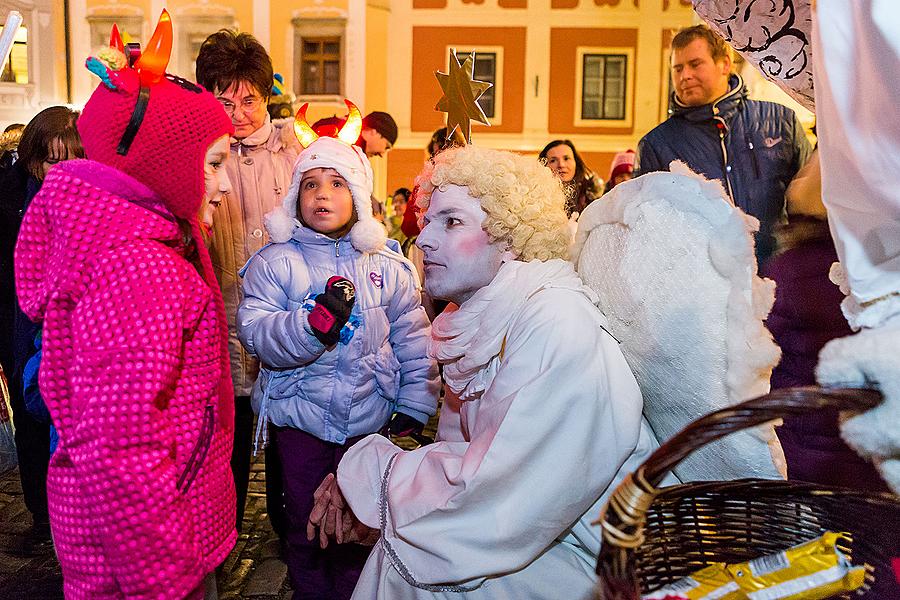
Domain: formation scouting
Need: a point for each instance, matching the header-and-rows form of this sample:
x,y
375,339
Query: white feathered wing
x,y
672,261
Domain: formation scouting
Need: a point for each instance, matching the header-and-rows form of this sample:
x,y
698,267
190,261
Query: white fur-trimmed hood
x,y
367,234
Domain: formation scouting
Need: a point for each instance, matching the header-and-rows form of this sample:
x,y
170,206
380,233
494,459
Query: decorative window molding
x,y
101,25
604,87
488,67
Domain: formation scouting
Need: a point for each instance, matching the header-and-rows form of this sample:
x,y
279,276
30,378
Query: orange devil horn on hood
x,y
302,130
353,127
153,61
115,40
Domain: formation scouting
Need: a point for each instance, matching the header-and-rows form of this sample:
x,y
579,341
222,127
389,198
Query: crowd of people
x,y
177,265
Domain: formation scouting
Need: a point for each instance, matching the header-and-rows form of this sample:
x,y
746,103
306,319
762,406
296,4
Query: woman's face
x,y
561,161
246,107
216,181
399,204
56,153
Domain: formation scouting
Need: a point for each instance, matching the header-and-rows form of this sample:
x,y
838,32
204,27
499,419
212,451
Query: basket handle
x,y
785,402
623,517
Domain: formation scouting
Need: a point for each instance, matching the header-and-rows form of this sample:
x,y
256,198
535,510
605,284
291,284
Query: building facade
x,y
592,71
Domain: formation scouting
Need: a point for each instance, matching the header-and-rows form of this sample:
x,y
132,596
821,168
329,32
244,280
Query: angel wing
x,y
672,261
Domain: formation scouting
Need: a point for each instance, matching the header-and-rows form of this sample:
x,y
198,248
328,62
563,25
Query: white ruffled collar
x,y
468,341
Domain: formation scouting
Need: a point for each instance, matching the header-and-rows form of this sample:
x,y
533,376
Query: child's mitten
x,y
332,309
403,425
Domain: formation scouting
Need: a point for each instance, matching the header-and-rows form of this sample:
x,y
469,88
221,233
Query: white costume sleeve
x,y
857,67
547,438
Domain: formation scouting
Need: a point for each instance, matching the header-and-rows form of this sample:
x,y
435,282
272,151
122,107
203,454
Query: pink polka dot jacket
x,y
141,494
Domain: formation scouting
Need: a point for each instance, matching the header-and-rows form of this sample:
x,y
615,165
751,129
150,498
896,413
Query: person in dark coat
x,y
50,137
806,316
754,148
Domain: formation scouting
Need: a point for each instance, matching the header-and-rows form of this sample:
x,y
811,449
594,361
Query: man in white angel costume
x,y
544,418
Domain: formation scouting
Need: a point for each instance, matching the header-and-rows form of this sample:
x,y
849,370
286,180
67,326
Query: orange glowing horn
x,y
305,134
153,61
115,40
353,127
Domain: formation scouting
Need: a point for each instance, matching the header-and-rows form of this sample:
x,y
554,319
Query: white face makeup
x,y
460,258
215,179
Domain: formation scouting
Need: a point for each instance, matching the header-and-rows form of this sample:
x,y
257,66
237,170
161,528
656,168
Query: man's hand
x,y
332,310
333,518
327,512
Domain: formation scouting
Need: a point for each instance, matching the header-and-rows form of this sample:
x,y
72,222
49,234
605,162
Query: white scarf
x,y
468,341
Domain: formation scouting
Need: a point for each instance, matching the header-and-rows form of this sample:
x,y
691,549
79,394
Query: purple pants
x,y
316,573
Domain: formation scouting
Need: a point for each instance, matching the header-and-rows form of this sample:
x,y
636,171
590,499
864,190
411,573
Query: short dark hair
x,y
438,139
402,192
54,123
717,46
383,123
226,58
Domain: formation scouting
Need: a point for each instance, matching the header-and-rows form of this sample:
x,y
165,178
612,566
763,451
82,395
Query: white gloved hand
x,y
870,358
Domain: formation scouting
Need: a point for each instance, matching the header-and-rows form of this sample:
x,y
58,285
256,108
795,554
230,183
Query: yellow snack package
x,y
710,583
816,569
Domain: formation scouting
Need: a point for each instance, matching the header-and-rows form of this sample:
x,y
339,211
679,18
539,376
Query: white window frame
x,y
628,119
497,51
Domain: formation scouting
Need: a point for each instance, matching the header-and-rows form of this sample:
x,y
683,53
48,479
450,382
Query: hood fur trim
x,y
367,235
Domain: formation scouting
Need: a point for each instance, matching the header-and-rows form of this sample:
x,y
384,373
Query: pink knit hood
x,y
72,232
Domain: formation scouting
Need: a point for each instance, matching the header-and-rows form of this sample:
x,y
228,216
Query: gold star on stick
x,y
461,91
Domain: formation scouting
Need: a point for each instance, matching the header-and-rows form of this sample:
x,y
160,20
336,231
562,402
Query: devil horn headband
x,y
151,67
348,134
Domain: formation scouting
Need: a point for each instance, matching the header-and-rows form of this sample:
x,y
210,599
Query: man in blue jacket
x,y
754,148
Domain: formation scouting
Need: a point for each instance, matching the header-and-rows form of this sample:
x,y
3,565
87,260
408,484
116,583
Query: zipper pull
x,y
721,127
336,242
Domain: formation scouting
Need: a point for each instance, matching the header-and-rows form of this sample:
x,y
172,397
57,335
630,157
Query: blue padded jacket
x,y
754,148
350,389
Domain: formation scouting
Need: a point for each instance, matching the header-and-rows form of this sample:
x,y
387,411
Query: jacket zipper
x,y
753,158
720,125
198,455
336,253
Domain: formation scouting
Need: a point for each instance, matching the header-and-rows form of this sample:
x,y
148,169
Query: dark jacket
x,y
754,148
806,315
17,188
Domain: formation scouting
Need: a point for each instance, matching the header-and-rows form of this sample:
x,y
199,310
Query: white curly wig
x,y
524,202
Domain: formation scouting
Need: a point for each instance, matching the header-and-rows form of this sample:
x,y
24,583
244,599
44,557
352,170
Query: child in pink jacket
x,y
135,369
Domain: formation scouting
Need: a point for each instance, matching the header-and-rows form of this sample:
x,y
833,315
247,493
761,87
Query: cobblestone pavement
x,y
253,570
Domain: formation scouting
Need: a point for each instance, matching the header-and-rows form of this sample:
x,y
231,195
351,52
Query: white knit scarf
x,y
468,341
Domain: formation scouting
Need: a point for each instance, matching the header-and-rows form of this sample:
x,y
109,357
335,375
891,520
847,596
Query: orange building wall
x,y
598,162
429,45
564,43
403,166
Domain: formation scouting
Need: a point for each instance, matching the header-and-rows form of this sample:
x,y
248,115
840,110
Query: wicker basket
x,y
653,537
